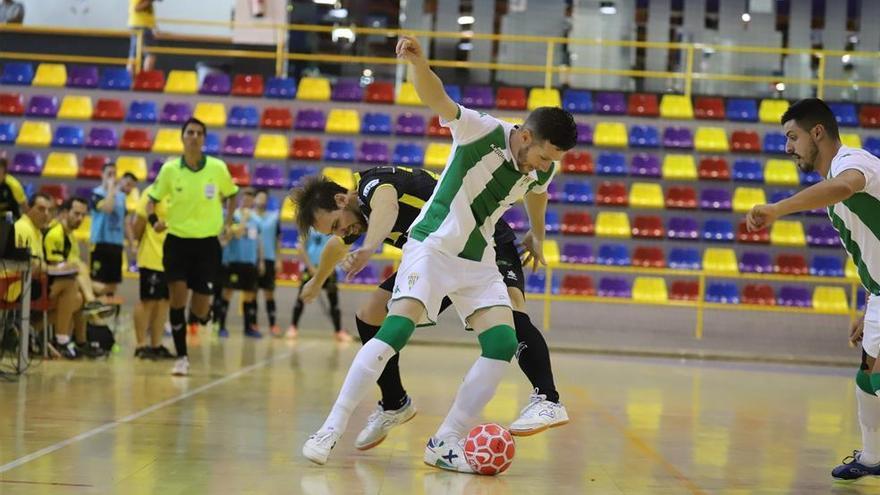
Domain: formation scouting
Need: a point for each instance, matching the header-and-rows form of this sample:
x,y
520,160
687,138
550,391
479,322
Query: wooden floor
x,y
237,425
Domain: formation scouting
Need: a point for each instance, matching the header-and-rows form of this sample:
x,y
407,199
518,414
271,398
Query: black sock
x,y
250,315
297,312
222,308
177,317
335,314
393,394
533,356
270,311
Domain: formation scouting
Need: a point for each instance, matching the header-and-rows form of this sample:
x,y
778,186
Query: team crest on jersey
x,y
412,279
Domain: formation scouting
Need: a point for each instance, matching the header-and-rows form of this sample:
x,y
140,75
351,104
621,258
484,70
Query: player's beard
x,y
521,158
807,164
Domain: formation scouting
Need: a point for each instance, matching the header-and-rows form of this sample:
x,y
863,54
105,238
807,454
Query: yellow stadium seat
x,y
75,108
680,167
513,120
676,107
851,140
720,260
136,165
343,121
436,154
551,252
711,140
51,75
830,299
212,114
787,233
84,232
646,195
850,270
770,111
340,175
391,252
313,89
612,224
182,82
168,141
540,97
744,198
35,134
610,134
649,289
288,210
781,172
271,147
63,165
406,95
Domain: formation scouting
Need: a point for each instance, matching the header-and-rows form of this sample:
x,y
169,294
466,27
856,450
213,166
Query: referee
x,y
196,186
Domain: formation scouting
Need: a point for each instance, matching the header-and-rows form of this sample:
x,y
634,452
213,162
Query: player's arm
x,y
536,209
825,193
334,251
138,225
385,209
427,84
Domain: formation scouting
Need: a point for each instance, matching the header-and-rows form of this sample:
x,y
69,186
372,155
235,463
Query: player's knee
x,y
498,343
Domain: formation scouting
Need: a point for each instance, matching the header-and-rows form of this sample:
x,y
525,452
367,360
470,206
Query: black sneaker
x,y
144,352
91,350
68,350
162,352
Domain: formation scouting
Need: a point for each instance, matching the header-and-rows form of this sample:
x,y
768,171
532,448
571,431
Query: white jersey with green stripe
x,y
480,182
857,218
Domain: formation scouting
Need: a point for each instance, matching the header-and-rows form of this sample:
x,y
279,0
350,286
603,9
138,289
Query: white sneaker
x,y
317,448
181,367
380,423
539,415
447,454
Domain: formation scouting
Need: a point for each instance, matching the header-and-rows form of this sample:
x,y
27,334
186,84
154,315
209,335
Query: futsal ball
x,y
489,449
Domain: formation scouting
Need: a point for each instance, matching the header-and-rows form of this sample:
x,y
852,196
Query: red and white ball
x,y
489,449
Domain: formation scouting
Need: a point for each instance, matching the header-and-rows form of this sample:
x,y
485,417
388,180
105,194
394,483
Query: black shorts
x,y
153,285
266,281
195,261
106,263
240,276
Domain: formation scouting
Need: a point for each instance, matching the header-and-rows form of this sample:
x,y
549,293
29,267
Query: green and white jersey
x,y
480,182
857,219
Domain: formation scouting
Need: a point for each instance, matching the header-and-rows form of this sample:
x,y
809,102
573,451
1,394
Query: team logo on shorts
x,y
512,275
412,279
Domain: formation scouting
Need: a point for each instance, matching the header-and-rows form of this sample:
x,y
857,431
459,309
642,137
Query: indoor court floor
x,y
237,424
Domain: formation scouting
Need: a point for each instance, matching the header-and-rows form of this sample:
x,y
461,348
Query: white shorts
x,y
871,334
428,275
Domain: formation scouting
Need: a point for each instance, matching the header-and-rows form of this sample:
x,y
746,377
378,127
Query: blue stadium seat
x,y
871,144
282,88
376,124
577,101
17,74
781,194
810,178
579,192
718,230
826,266
340,150
722,292
212,144
297,173
613,255
611,164
454,92
774,143
684,259
846,114
644,136
289,237
553,222
535,283
69,136
8,132
142,112
748,170
115,78
243,117
742,110
410,154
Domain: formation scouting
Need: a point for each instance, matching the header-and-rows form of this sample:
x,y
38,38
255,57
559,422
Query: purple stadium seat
x,y
347,90
478,97
374,152
610,103
516,218
796,296
175,113
154,169
577,253
26,163
756,262
645,165
42,106
102,138
310,119
683,228
268,176
239,145
678,137
410,124
216,83
584,133
715,199
82,76
614,287
822,235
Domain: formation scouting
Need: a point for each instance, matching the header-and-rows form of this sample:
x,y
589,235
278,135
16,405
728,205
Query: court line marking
x,y
143,412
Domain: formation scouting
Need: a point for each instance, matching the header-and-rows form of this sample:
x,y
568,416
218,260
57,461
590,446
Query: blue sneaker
x,y
253,333
223,333
852,469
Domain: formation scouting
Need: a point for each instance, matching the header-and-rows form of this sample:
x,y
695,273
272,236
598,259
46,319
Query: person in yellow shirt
x,y
12,197
142,19
151,311
29,232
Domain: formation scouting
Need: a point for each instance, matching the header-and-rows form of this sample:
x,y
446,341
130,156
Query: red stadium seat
x,y
290,270
760,237
109,109
58,192
437,130
791,264
247,85
869,116
239,173
276,118
379,92
612,194
510,98
648,227
577,223
714,168
681,197
648,257
761,294
577,285
643,105
91,166
136,140
709,108
745,142
684,290
306,149
11,104
578,162
149,80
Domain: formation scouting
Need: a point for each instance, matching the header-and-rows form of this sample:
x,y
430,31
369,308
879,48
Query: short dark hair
x,y
67,204
129,175
248,191
38,195
553,124
108,165
810,112
315,193
193,120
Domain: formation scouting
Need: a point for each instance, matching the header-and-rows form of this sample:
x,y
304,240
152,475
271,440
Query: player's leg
x,y
64,293
332,290
142,312
267,287
298,308
249,305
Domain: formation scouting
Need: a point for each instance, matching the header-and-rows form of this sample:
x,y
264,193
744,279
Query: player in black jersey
x,y
381,207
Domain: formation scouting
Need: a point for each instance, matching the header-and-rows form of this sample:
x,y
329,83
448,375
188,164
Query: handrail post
x,y
279,52
689,71
548,288
139,51
548,67
820,88
701,296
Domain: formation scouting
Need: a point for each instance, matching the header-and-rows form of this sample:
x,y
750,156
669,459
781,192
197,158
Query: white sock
x,y
869,417
368,364
62,339
474,393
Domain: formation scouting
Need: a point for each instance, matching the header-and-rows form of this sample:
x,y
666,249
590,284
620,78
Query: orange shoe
x,y
275,330
342,337
291,332
193,328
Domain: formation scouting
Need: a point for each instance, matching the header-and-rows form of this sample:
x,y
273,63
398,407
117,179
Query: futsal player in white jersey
x,y
850,190
492,165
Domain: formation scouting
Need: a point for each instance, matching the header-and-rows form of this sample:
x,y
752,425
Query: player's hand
x,y
355,261
160,226
856,331
761,216
409,49
533,251
310,291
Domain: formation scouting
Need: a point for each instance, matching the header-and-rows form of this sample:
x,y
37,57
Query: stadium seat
x,y
551,252
787,233
613,224
822,236
791,264
871,145
376,124
645,195
643,105
68,136
644,136
290,269
149,80
305,149
744,198
556,194
722,293
42,106
136,140
584,133
271,147
676,107
347,90
715,200
214,83
794,296
61,165
684,290
541,97
212,145
339,175
616,287
240,174
102,138
155,168
50,75
516,218
239,145
869,116
774,143
109,109
437,154
758,294
281,88
58,192
648,257
578,101
478,97
276,118
758,237
684,259
770,111
136,165
91,166
577,162
747,170
376,153
82,76
826,266
11,104
742,110
508,98
610,134
610,103
410,154
313,89
340,150
8,132
340,121
578,192
406,95
850,139
745,142
782,173
115,78
709,108
577,223
755,262
612,194
612,164
718,230
811,178
248,85
577,253
246,117
679,167
296,175
613,255
310,119
682,228
410,124
26,163
212,114
142,112
720,260
182,82
269,176
17,74
830,299
678,137
650,290
577,285
168,142
711,140
648,227
845,113
34,134
379,92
